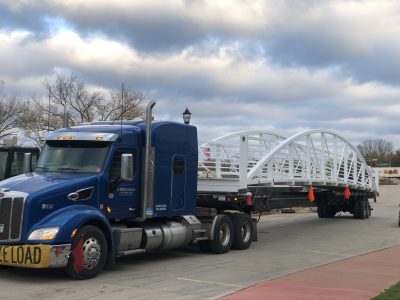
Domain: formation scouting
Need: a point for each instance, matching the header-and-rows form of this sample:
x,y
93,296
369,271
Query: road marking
x,y
211,282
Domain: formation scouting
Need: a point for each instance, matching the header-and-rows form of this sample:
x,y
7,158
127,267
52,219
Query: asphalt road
x,y
287,243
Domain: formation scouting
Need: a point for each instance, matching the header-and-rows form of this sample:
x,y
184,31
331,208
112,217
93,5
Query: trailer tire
x,y
361,209
356,210
94,253
320,211
223,236
366,209
242,236
325,211
330,212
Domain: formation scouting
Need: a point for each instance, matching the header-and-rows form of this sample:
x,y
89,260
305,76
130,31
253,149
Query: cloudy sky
x,y
237,64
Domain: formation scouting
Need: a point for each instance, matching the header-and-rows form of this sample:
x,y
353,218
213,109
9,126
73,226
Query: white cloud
x,y
279,65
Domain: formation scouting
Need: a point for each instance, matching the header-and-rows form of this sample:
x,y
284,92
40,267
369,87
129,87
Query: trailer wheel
x,y
242,236
356,210
320,210
361,209
325,211
89,253
365,209
223,236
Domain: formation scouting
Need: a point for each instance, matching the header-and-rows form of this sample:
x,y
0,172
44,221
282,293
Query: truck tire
x,y
361,209
242,236
320,211
223,236
365,209
325,211
356,210
330,212
89,253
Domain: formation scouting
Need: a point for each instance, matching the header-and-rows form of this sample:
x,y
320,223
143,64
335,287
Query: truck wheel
x,y
365,209
361,209
356,210
319,210
242,237
223,236
89,253
329,211
325,211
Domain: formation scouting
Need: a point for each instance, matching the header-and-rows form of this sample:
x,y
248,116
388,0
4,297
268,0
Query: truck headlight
x,y
47,233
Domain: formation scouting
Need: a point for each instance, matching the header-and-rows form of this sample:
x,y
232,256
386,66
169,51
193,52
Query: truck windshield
x,y
73,156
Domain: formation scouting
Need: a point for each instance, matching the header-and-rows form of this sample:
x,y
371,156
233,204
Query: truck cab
x,y
84,202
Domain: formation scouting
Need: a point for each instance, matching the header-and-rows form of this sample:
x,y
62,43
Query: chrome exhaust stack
x,y
147,169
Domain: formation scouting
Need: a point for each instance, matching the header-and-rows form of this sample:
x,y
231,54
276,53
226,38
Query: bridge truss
x,y
320,158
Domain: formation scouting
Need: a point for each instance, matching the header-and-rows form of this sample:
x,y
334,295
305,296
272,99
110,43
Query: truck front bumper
x,y
35,255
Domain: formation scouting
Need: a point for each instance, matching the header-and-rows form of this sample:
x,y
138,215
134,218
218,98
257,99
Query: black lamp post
x,y
186,116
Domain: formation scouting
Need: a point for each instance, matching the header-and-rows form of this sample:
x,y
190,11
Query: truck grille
x,y
11,211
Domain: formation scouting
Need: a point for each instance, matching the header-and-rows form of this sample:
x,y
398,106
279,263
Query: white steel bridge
x,y
320,158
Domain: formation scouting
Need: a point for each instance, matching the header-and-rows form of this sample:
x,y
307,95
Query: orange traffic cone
x,y
311,197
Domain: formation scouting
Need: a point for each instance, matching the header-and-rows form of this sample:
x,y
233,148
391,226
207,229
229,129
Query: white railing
x,y
319,157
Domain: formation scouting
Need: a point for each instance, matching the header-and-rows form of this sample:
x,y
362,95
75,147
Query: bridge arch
x,y
319,157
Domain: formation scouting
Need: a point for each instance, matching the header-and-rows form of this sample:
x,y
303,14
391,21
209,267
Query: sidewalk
x,y
360,277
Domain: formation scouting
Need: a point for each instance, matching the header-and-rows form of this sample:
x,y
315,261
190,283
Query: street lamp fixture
x,y
186,116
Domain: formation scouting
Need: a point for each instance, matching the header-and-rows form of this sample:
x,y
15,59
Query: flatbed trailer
x,y
109,189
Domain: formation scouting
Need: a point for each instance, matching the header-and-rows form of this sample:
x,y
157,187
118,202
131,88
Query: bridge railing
x,y
319,157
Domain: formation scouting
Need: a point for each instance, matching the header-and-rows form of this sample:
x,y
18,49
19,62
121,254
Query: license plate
x,y
30,256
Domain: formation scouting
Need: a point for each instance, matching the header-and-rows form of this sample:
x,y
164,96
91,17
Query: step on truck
x,y
109,189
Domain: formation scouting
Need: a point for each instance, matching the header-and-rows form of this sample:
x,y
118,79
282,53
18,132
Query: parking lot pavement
x,y
287,243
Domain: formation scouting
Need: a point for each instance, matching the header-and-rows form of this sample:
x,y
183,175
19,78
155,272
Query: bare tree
x,y
71,95
379,150
37,118
375,147
10,109
124,104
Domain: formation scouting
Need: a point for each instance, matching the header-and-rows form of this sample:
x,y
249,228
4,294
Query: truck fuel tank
x,y
166,236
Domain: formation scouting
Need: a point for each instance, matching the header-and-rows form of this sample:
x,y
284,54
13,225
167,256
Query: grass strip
x,y
392,293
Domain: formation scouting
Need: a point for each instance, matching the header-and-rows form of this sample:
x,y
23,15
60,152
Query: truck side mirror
x,y
27,162
127,167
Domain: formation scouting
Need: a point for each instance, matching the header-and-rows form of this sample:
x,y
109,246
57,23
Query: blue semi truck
x,y
108,189
105,190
